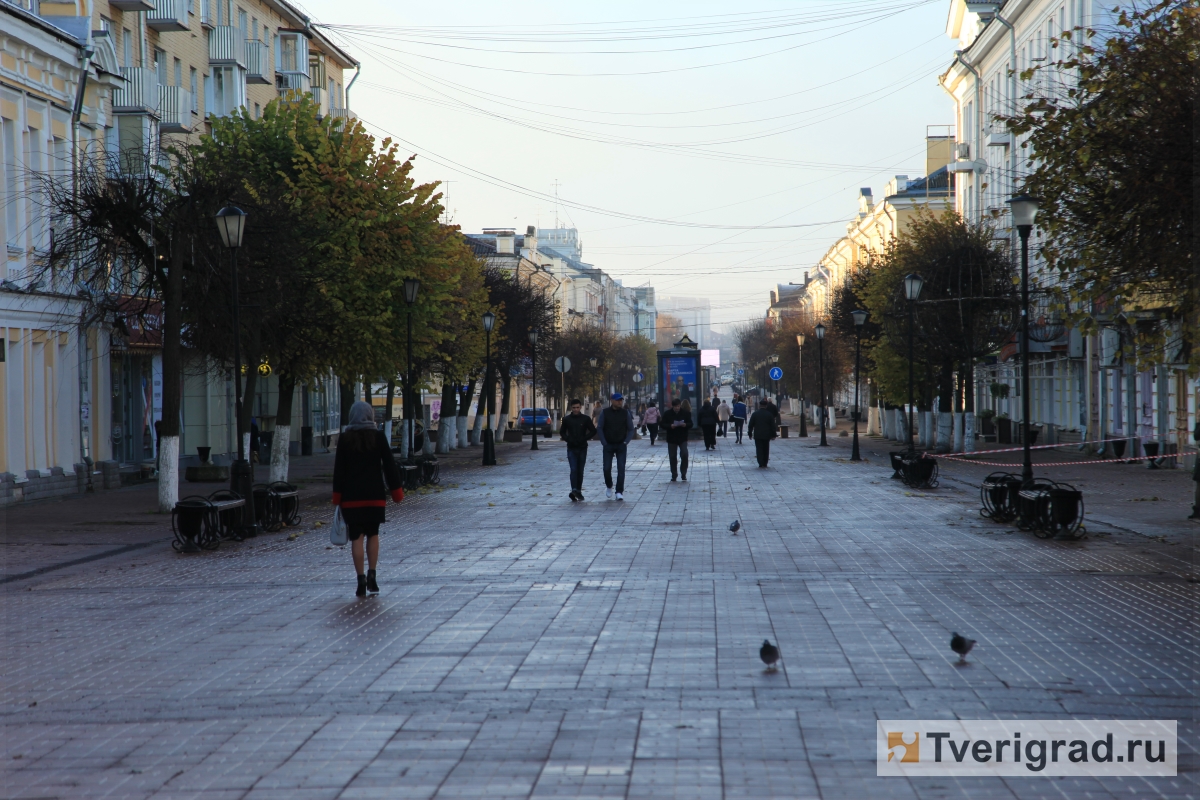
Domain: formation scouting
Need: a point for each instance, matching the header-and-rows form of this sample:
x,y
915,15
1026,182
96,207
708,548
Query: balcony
x,y
169,15
292,82
343,113
139,95
226,46
257,66
132,5
176,106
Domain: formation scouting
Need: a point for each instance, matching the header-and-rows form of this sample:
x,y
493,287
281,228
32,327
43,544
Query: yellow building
x,y
120,76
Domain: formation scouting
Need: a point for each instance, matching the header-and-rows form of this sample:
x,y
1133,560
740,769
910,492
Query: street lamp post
x,y
595,380
821,372
231,223
411,287
489,439
533,336
1024,211
860,318
913,283
775,360
800,366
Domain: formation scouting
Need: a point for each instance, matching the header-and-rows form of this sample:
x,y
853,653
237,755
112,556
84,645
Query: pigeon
x,y
769,654
735,526
962,646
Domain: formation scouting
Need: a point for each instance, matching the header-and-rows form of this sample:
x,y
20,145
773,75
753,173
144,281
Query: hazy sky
x,y
728,118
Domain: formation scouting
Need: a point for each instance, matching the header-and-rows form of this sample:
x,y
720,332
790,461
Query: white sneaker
x,y
608,492
619,497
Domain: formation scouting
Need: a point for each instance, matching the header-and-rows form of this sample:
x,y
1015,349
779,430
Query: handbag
x,y
338,533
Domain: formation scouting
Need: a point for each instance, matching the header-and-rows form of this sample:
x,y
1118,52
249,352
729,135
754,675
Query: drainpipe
x,y
85,393
357,68
958,58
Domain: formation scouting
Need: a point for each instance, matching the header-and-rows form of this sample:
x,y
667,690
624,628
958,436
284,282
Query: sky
x,y
707,149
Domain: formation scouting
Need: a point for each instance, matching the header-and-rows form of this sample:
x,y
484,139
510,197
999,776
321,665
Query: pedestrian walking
x,y
650,420
1196,477
708,424
722,419
576,430
615,430
364,474
762,431
677,423
738,415
597,407
640,416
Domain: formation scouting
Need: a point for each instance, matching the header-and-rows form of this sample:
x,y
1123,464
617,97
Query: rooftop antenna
x,y
446,200
556,185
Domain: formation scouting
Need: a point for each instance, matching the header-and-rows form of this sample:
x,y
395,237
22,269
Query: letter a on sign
x,y
908,751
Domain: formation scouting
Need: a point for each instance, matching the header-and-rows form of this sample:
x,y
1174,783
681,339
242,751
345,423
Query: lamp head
x,y
533,334
820,329
411,287
1024,211
231,221
592,362
489,321
913,283
860,317
800,339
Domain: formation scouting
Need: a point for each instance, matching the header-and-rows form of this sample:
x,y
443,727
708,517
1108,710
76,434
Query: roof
x,y
935,183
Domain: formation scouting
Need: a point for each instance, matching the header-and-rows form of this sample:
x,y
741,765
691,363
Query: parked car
x,y
541,420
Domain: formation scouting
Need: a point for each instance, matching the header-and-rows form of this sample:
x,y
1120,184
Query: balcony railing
x,y
226,45
139,95
175,106
292,81
168,15
343,113
257,65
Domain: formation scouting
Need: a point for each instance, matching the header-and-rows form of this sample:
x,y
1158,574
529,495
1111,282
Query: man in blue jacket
x,y
738,415
615,429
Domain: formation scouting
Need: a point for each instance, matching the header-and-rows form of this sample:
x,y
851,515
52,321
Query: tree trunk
x,y
505,399
346,399
168,453
448,420
387,413
253,355
281,441
464,407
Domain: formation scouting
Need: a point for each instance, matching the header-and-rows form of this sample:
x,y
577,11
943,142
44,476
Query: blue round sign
x,y
776,373
741,371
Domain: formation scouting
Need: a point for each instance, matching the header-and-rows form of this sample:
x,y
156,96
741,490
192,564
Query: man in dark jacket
x,y
762,430
615,429
576,429
677,424
738,415
708,424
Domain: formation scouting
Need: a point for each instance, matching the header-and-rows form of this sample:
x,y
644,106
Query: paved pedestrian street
x,y
524,646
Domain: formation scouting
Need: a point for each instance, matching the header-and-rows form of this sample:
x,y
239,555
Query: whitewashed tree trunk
x,y
968,432
387,431
427,444
945,432
168,473
958,432
476,430
280,452
461,422
442,446
502,425
246,445
403,438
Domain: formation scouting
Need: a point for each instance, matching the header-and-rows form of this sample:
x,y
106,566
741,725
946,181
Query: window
x,y
254,27
242,23
178,73
257,111
12,209
127,40
160,66
192,89
228,90
287,54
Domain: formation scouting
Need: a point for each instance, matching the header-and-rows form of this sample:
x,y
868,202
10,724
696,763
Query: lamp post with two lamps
x,y
913,283
411,287
860,318
1024,212
489,440
231,223
533,337
820,331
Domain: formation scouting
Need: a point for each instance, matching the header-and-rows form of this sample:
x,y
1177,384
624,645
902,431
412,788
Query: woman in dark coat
x,y
362,467
708,424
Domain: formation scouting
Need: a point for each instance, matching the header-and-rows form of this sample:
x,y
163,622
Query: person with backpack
x,y
361,468
738,415
615,430
576,430
650,420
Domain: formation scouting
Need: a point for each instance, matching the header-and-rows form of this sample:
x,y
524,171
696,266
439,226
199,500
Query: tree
x,y
1113,160
520,307
668,329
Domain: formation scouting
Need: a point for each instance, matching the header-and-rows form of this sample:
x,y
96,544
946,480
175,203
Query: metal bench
x,y
200,523
276,505
411,476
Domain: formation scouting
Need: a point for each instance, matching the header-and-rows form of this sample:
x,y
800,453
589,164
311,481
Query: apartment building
x,y
1081,389
91,77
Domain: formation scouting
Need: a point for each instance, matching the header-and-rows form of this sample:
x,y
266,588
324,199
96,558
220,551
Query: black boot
x,y
362,586
372,586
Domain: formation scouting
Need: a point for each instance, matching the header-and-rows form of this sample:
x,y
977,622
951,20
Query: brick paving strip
x,y
524,646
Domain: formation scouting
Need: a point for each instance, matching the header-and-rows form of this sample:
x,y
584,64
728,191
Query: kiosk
x,y
681,377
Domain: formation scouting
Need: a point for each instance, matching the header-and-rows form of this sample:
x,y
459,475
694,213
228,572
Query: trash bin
x,y
306,440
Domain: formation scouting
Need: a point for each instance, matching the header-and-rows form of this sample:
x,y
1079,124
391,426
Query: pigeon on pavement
x,y
769,654
735,526
961,645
